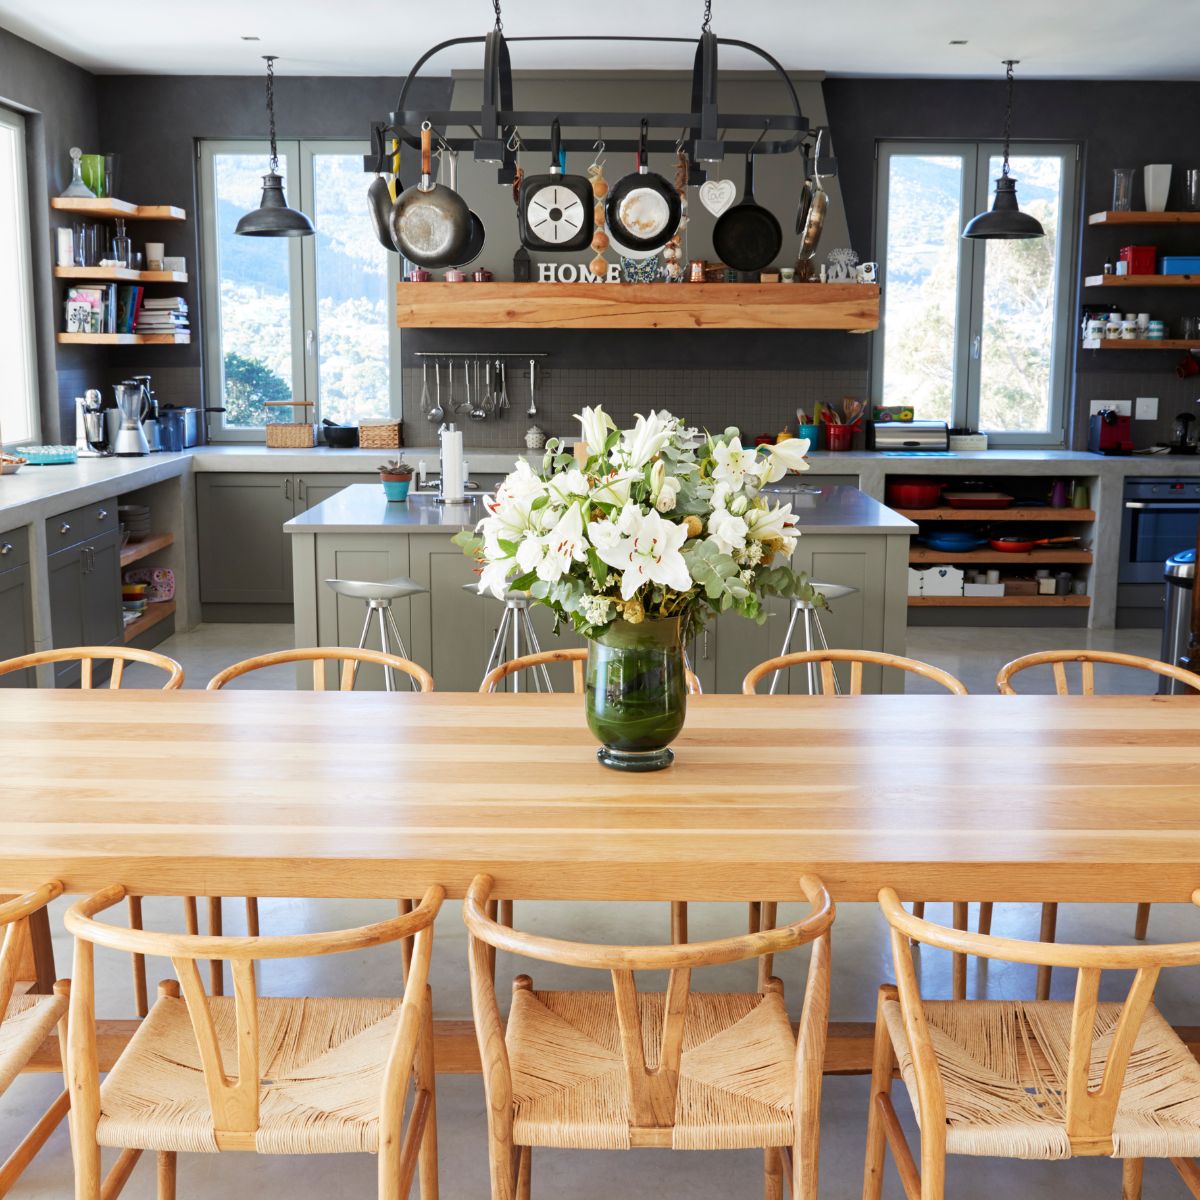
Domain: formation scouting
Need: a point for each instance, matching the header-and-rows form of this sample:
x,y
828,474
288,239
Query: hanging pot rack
x,y
496,127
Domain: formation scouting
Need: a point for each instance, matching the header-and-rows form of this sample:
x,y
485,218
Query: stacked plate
x,y
136,520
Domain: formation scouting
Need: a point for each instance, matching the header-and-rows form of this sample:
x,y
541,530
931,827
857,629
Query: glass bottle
x,y
122,244
77,187
1122,195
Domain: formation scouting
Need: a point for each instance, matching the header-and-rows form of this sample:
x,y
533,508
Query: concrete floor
x,y
860,959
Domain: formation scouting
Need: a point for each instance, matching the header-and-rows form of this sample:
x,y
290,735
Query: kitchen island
x,y
846,538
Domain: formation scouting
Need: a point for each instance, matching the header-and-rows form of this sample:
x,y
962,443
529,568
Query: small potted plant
x,y
395,475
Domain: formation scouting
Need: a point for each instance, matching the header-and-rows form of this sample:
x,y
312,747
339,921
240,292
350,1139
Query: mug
x,y
787,274
1094,331
155,252
1129,331
867,272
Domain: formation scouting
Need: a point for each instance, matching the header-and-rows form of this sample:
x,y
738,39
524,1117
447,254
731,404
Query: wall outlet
x,y
1146,408
1123,408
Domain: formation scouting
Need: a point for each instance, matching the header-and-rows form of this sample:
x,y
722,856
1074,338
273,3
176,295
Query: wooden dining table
x,y
306,794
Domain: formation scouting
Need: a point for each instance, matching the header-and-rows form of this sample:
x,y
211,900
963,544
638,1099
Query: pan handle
x,y
555,146
380,152
642,159
426,149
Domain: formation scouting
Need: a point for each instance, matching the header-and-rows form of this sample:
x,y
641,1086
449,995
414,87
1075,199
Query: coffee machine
x,y
1110,432
1183,441
130,441
91,432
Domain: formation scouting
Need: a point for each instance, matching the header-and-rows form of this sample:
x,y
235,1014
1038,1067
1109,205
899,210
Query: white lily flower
x,y
552,554
520,484
494,577
733,463
641,443
668,494
658,473
785,456
727,531
597,425
615,489
569,485
646,550
773,524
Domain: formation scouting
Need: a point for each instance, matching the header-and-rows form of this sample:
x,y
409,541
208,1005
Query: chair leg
x,y
679,922
524,1171
1049,922
252,916
985,917
216,966
1142,923
166,1175
403,908
138,961
191,915
883,1062
919,913
426,1079
959,971
506,913
1131,1179
1189,1173
772,1173
767,913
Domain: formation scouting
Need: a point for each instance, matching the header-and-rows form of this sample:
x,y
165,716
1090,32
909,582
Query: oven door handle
x,y
1180,506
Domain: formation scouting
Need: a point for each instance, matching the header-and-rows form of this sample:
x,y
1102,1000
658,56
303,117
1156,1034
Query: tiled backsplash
x,y
1175,396
760,401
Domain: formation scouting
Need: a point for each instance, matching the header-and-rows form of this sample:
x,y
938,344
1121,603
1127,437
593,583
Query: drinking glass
x,y
112,164
1122,195
93,172
1191,191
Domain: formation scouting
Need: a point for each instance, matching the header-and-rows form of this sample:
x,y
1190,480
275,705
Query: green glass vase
x,y
636,693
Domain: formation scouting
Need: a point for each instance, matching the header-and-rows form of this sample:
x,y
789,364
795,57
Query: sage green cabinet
x,y
16,605
85,598
340,618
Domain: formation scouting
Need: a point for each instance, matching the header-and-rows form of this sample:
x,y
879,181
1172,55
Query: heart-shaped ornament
x,y
717,195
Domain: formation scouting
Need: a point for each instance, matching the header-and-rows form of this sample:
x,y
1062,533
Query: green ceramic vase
x,y
636,694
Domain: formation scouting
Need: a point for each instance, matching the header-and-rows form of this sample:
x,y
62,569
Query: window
x,y
296,318
18,357
975,332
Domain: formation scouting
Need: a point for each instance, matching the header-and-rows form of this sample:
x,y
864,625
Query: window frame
x,y
22,286
296,159
976,196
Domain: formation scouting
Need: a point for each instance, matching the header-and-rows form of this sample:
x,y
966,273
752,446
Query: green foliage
x,y
249,384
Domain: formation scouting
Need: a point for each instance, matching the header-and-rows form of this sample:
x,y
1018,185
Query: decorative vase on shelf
x,y
1157,181
635,694
77,189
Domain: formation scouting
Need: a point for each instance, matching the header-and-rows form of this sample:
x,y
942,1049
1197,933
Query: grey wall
x,y
58,101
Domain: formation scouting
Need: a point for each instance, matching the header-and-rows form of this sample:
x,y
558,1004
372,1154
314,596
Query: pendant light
x,y
272,217
1005,220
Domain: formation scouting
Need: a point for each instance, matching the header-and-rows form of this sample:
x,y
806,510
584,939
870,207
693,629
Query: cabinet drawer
x,y
14,549
87,521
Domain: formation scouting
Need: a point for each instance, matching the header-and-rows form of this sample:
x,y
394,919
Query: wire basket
x,y
380,437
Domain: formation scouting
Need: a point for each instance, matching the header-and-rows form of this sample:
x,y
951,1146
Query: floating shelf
x,y
999,601
923,554
1144,218
997,514
108,207
853,307
120,275
154,613
1145,344
133,552
1142,281
125,339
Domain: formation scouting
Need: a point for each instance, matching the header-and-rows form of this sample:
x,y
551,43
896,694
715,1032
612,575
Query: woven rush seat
x,y
322,1067
28,1021
1003,1064
570,1089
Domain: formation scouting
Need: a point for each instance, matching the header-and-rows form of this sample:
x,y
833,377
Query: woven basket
x,y
291,435
380,437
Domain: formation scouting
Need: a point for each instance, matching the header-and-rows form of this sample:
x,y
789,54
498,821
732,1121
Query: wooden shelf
x,y
999,601
120,275
849,306
1144,218
125,339
997,514
93,206
133,551
1142,281
151,617
924,554
1145,344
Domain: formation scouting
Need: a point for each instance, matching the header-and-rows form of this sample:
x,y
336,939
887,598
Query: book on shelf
x,y
129,300
91,309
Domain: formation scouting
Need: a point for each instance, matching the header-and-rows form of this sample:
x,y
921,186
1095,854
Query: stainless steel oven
x,y
1159,520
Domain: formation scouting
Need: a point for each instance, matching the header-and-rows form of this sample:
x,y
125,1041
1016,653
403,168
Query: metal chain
x,y
1009,63
499,22
706,24
271,109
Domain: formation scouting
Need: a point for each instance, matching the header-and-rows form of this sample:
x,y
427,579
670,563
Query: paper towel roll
x,y
452,466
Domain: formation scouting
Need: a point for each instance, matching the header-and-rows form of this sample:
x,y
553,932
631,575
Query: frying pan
x,y
747,236
642,210
1018,545
554,211
814,217
430,223
475,238
379,199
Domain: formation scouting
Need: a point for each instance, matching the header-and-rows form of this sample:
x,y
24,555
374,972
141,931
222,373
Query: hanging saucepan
x,y
379,199
747,237
642,210
554,211
475,239
430,223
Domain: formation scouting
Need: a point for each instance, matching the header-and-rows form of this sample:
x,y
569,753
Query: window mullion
x,y
970,298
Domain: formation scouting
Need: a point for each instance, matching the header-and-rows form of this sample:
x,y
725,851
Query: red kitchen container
x,y
913,493
1142,260
838,437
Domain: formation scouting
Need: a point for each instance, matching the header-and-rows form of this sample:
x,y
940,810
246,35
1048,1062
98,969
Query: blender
x,y
131,401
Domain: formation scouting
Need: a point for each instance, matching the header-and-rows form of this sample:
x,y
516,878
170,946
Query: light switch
x,y
1146,408
1122,407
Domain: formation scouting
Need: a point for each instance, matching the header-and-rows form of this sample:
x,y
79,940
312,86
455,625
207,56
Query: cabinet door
x,y
102,622
16,623
312,489
245,557
66,570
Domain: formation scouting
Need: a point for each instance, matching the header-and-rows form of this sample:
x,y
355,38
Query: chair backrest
x,y
16,952
234,1101
319,656
651,1090
1088,1112
87,655
1087,659
577,657
856,658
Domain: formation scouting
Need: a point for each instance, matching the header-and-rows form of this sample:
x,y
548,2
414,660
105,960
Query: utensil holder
x,y
838,437
812,433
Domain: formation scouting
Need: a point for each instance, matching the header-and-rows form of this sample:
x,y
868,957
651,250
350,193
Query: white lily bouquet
x,y
656,524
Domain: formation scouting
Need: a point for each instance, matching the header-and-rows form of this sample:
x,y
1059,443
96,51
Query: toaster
x,y
907,435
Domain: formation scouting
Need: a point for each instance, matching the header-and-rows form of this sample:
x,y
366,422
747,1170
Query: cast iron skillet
x,y
379,199
747,237
645,195
430,223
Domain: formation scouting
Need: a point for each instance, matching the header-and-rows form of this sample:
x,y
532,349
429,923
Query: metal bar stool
x,y
379,595
516,626
814,635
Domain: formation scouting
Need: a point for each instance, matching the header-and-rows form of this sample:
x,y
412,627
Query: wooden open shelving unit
x,y
853,307
1145,344
1144,218
125,339
925,555
133,552
119,275
999,601
100,207
997,514
154,613
1142,281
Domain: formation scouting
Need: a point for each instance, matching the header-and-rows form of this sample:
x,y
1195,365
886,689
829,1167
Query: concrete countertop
x,y
363,508
1078,463
317,459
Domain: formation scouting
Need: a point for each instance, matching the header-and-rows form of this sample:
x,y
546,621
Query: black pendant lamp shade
x,y
272,217
1004,220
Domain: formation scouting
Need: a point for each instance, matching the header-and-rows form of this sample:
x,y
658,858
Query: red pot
x,y
913,493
